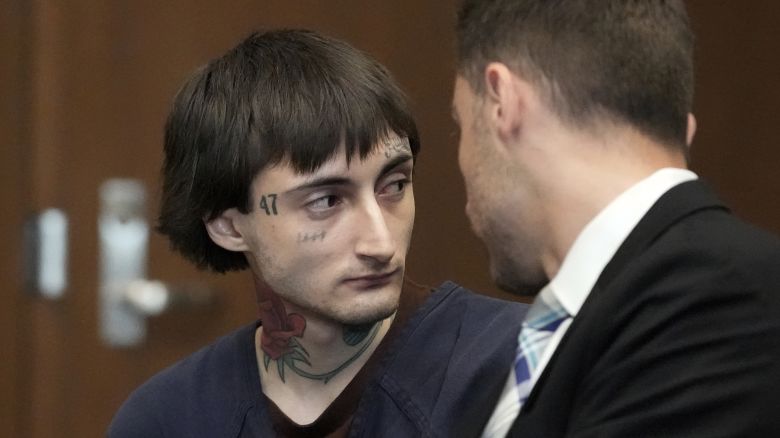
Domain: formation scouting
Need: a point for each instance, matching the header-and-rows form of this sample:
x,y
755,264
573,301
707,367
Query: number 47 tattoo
x,y
269,204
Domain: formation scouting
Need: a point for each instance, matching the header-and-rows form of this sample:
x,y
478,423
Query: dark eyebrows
x,y
326,181
395,162
331,181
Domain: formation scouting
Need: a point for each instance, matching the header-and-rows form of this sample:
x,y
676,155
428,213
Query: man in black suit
x,y
657,313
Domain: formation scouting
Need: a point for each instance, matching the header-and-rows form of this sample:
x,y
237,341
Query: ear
x,y
506,100
224,232
691,130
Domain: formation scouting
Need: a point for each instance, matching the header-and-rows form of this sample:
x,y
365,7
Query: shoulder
x,y
692,222
730,240
707,269
461,322
458,344
689,249
467,306
699,302
455,314
206,388
713,250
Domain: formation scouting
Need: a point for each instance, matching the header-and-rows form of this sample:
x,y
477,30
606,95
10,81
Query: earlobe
x,y
223,231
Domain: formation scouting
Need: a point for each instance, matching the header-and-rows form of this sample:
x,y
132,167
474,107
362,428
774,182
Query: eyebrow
x,y
395,162
330,181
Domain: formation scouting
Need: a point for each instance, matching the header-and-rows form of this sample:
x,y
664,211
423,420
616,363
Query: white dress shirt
x,y
593,248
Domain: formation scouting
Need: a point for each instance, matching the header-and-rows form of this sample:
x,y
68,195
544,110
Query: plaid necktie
x,y
544,317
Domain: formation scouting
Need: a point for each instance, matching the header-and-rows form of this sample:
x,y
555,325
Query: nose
x,y
375,242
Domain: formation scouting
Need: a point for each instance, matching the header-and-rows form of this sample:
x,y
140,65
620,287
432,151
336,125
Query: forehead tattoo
x,y
396,145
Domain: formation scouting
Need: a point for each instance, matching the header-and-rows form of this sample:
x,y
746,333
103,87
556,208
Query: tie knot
x,y
546,313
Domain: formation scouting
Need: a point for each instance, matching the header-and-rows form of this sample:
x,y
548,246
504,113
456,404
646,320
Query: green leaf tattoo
x,y
353,334
266,360
296,353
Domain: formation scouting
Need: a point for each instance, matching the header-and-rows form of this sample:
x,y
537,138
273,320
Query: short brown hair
x,y
285,95
629,60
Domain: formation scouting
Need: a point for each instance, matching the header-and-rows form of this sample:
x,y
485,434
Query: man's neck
x,y
306,361
323,352
594,174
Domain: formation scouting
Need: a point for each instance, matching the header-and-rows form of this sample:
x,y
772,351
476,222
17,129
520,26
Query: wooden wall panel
x,y
737,96
13,86
85,93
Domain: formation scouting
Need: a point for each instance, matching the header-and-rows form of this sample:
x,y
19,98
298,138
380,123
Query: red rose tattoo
x,y
279,327
280,331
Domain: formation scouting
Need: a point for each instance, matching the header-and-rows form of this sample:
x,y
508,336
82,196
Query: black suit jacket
x,y
680,337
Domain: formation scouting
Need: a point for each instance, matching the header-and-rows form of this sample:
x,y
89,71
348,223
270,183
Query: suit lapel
x,y
679,202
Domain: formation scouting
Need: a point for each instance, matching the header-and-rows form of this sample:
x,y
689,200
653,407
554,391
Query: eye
x,y
323,206
395,188
324,203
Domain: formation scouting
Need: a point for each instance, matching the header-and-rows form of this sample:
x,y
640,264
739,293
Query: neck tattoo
x,y
295,353
353,334
282,331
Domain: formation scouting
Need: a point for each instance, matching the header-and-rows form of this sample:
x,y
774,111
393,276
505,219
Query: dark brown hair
x,y
285,95
629,60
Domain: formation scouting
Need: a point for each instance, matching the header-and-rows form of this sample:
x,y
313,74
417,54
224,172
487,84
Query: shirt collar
x,y
597,243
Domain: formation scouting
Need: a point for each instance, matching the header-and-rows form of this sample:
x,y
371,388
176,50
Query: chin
x,y
369,309
368,318
515,280
519,289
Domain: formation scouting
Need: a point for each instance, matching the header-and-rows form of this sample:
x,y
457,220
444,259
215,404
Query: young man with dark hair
x,y
657,313
293,155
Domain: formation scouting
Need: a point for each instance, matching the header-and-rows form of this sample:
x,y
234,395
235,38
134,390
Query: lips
x,y
373,280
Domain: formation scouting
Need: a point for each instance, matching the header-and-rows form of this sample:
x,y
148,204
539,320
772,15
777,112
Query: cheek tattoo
x,y
396,145
268,203
311,237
